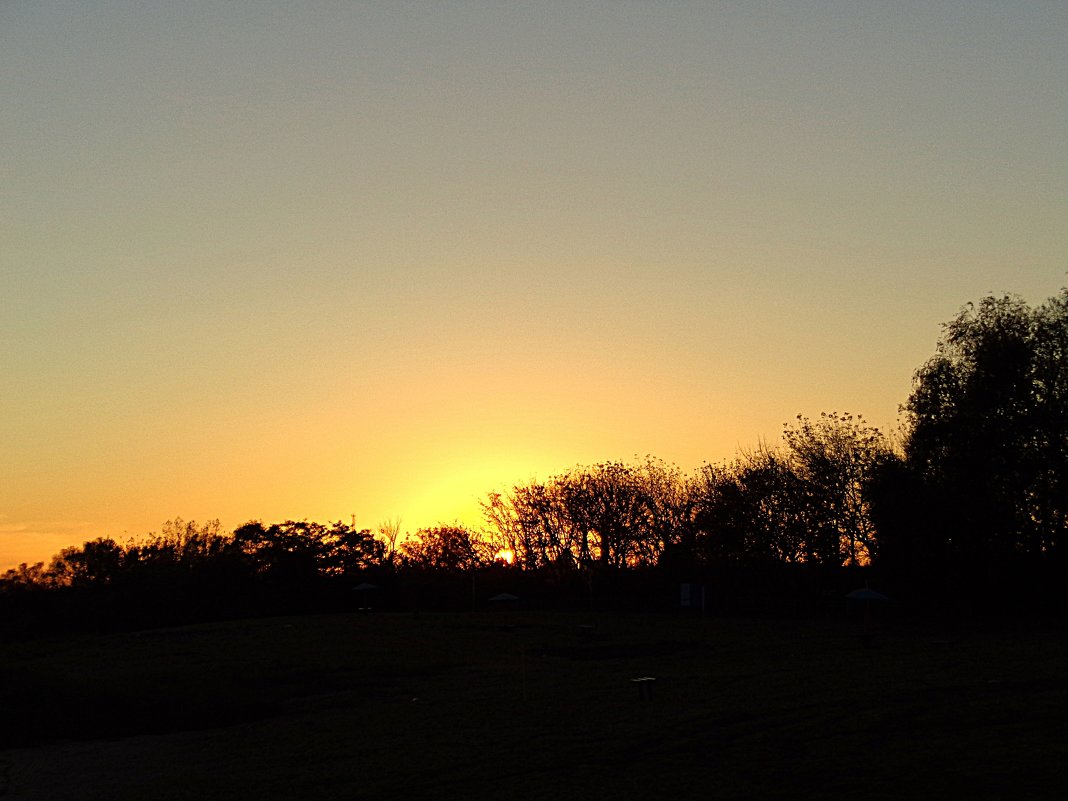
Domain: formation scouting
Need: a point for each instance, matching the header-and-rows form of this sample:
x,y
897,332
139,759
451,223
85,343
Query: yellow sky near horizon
x,y
262,261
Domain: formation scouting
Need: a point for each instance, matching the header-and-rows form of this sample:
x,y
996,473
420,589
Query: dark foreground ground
x,y
538,706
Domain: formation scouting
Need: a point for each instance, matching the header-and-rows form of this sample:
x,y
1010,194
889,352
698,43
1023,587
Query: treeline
x,y
966,506
609,533
804,502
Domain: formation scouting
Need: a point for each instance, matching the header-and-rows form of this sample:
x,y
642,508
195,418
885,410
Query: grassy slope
x,y
528,707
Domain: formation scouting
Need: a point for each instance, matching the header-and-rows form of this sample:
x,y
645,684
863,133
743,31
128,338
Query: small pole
x,y
523,670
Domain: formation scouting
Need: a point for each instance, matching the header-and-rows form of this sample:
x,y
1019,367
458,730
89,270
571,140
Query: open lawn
x,y
522,705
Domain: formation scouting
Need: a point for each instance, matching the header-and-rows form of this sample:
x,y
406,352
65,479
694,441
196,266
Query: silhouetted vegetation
x,y
972,502
979,502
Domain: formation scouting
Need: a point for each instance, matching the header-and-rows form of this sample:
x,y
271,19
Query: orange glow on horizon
x,y
388,299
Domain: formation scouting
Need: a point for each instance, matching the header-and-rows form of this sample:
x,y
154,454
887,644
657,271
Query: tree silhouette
x,y
988,432
606,517
753,510
835,457
96,563
446,549
289,552
979,489
345,549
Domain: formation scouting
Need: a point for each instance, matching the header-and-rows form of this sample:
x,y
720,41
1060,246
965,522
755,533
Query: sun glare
x,y
507,556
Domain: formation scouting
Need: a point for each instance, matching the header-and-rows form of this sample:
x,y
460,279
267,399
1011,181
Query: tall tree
x,y
988,430
752,510
835,457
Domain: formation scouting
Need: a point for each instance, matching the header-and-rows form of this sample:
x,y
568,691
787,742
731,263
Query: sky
x,y
274,260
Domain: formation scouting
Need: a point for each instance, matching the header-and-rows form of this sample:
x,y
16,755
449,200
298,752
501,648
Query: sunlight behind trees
x,y
973,494
382,258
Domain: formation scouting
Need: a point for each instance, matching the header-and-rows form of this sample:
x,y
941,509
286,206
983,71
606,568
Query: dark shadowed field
x,y
538,706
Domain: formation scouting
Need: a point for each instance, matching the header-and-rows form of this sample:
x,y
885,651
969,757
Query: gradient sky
x,y
312,260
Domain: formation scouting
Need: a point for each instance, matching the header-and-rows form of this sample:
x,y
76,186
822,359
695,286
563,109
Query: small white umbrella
x,y
866,594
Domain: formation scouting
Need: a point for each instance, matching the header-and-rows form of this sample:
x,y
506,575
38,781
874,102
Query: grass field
x,y
537,706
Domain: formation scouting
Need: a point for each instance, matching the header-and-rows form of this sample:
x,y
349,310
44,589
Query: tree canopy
x,y
988,431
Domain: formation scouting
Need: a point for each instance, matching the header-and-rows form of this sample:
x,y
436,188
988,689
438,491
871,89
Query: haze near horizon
x,y
267,261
